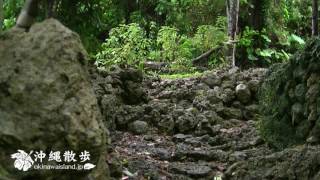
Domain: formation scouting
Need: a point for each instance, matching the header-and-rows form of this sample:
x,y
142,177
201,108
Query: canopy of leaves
x,y
176,31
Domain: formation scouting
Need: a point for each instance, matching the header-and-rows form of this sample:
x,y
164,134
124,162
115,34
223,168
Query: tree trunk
x,y
233,16
50,5
315,15
130,7
1,15
28,14
258,13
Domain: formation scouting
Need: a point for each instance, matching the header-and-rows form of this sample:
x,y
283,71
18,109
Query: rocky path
x,y
186,156
195,128
192,128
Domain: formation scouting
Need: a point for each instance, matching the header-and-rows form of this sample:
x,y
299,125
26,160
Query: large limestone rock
x,y
46,101
243,93
290,100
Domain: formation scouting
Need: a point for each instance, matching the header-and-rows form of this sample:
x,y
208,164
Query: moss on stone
x,y
286,85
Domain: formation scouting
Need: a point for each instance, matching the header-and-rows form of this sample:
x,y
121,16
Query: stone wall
x,y
191,105
290,100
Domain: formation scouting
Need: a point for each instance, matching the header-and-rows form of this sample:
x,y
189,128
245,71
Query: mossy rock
x,y
286,85
47,102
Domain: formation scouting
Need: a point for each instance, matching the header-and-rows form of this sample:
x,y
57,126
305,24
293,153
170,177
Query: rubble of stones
x,y
194,128
190,106
179,129
290,117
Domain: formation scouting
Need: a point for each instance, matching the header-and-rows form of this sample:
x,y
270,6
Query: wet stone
x,y
192,170
139,127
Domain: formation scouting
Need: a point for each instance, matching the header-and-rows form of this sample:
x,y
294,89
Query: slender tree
x,y
50,8
315,15
233,16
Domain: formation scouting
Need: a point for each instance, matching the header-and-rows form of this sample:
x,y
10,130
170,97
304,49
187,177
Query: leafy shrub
x,y
258,48
175,48
210,37
127,44
8,23
187,15
168,39
10,11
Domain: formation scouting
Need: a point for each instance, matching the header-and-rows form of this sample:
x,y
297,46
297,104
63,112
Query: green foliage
x,y
11,10
187,15
295,39
285,23
177,31
127,44
8,23
137,17
210,37
168,40
175,48
87,17
293,16
259,48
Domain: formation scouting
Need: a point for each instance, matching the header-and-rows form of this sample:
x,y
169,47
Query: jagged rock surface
x,y
46,100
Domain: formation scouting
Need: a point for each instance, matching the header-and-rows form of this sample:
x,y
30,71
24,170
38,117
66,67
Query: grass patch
x,y
181,76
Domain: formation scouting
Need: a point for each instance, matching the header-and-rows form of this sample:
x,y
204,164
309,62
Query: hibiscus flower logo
x,y
23,160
